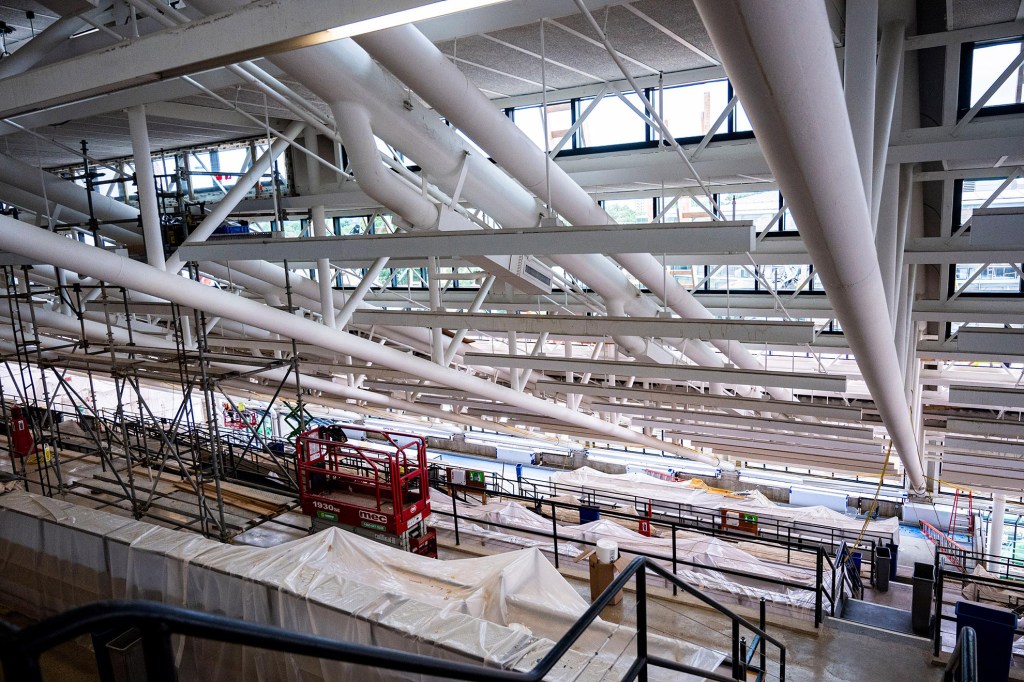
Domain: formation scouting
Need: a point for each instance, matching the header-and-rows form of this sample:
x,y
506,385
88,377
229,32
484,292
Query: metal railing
x,y
691,517
963,662
1008,593
824,566
22,649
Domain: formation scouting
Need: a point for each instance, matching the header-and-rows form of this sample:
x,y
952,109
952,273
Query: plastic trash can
x,y
588,514
883,559
921,606
857,557
994,627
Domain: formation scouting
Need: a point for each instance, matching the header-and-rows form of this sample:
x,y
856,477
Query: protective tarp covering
x,y
805,521
701,559
502,611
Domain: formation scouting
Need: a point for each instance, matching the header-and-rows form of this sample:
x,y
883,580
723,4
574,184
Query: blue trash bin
x,y
994,627
588,514
857,557
895,549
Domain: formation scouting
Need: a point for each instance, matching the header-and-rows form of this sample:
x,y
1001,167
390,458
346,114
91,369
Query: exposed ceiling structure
x,y
493,289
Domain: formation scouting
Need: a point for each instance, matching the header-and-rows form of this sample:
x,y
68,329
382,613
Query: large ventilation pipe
x,y
57,190
782,63
46,42
401,121
71,196
32,242
409,55
266,380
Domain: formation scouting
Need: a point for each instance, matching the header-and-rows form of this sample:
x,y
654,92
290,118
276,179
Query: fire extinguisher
x,y
645,522
22,441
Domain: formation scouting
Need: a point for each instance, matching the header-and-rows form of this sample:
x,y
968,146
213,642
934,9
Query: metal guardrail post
x,y
820,573
455,511
554,532
939,591
675,560
641,621
737,662
762,623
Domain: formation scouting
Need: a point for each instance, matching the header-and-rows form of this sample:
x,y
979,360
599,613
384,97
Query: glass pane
x,y
630,210
784,277
996,278
687,209
612,122
691,109
733,277
759,207
977,192
990,61
530,121
742,122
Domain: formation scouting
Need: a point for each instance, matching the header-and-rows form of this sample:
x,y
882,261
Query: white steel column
x,y
324,275
436,332
995,529
149,208
781,60
859,80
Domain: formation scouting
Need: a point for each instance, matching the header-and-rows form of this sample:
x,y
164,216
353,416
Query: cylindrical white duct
x,y
30,179
45,42
26,240
415,60
33,203
859,81
224,207
146,184
323,269
781,61
379,183
890,62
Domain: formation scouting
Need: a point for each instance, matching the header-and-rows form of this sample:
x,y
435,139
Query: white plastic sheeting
x,y
710,554
806,521
502,610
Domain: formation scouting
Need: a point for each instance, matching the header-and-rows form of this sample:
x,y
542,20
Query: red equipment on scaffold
x,y
370,482
23,443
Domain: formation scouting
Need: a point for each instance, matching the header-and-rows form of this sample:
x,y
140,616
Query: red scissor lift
x,y
376,486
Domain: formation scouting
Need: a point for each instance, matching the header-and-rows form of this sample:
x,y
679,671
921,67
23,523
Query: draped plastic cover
x,y
707,553
647,487
502,610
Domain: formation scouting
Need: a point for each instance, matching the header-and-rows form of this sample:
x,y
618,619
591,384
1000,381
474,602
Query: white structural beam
x,y
994,227
987,397
770,427
991,341
701,399
985,427
643,370
254,30
996,447
747,331
717,236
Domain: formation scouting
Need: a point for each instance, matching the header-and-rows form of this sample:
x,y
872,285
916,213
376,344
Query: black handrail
x,y
963,662
20,650
821,593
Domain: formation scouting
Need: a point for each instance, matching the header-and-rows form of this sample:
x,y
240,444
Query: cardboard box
x,y
602,575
